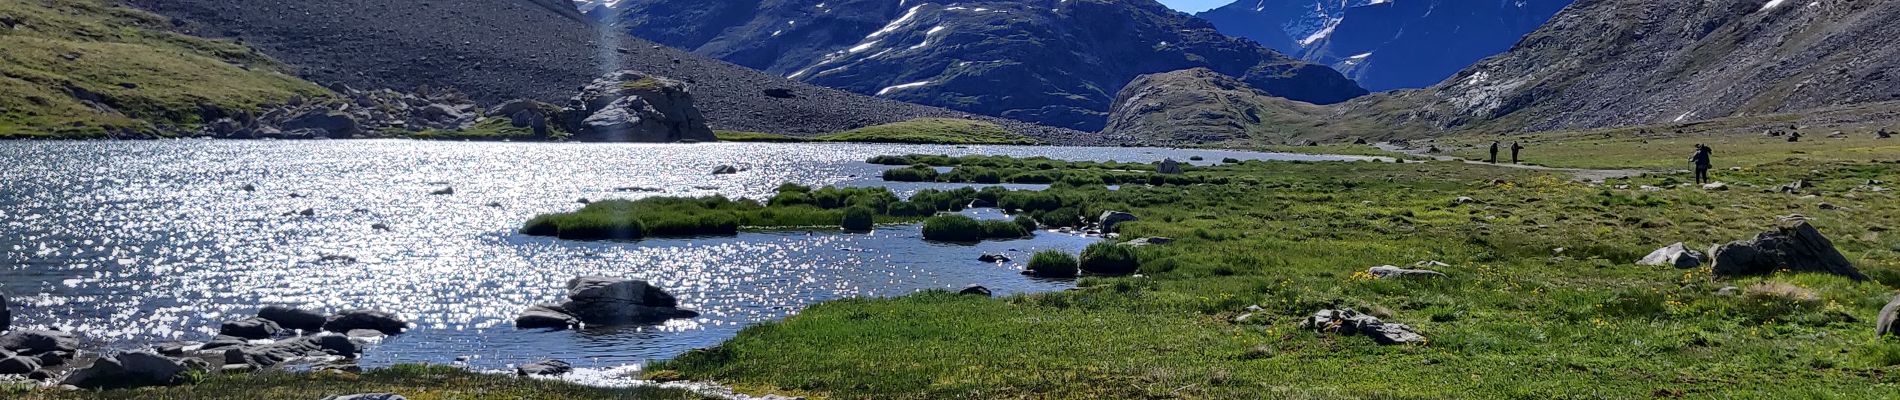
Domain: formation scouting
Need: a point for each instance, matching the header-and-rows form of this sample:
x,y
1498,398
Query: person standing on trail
x,y
1494,152
1515,147
1702,163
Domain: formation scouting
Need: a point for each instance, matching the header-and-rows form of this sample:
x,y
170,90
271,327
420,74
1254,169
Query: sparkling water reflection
x,y
138,242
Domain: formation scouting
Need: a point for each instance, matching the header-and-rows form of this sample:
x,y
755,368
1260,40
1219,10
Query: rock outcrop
x,y
1349,322
594,300
1388,272
134,369
1888,323
1110,221
303,347
1797,248
628,106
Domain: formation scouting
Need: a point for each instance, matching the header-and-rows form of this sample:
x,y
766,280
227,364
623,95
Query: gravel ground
x,y
495,50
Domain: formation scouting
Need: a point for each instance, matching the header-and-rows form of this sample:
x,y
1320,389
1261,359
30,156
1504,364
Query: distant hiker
x,y
1494,152
1702,164
1515,147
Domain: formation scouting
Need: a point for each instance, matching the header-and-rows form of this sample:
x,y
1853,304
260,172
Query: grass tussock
x,y
963,229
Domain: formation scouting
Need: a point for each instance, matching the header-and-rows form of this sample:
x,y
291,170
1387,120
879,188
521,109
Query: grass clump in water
x,y
1109,259
962,229
859,219
1052,264
914,173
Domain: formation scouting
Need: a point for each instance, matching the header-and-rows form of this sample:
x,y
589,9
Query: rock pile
x,y
354,113
1349,322
1798,248
594,300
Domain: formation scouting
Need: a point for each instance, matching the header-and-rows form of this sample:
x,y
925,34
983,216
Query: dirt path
x,y
1586,175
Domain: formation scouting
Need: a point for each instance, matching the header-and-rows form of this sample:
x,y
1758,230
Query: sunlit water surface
x,y
131,243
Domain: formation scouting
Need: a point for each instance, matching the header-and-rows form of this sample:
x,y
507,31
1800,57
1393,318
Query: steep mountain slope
x,y
89,69
1386,45
1199,106
1607,63
542,49
1059,62
1284,25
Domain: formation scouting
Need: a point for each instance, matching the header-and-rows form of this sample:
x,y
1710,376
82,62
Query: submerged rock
x,y
993,258
546,316
1798,248
1676,255
544,368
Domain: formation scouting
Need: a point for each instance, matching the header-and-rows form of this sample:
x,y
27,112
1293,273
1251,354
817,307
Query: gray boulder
x,y
546,316
1349,322
367,396
1111,219
544,368
19,365
292,318
1888,323
34,342
1169,166
134,369
975,290
1798,248
251,328
1148,241
1388,271
324,123
380,321
1676,255
628,106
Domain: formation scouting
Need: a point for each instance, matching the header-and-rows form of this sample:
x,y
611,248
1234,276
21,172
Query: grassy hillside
x,y
89,68
1543,299
916,131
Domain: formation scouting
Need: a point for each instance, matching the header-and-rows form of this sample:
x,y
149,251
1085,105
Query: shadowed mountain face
x,y
1058,62
1604,63
1386,45
496,50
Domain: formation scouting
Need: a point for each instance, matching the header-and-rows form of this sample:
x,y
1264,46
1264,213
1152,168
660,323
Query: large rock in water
x,y
1676,255
1799,248
384,322
134,369
1111,220
605,301
629,106
292,318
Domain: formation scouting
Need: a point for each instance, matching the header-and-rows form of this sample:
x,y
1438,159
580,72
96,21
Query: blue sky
x,y
1195,5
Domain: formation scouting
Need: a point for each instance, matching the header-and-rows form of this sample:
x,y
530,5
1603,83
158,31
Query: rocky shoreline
x,y
279,337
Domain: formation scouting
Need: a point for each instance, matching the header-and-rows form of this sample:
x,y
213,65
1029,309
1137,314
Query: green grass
x,y
916,131
794,206
962,229
1109,259
1052,264
1515,318
418,382
155,79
